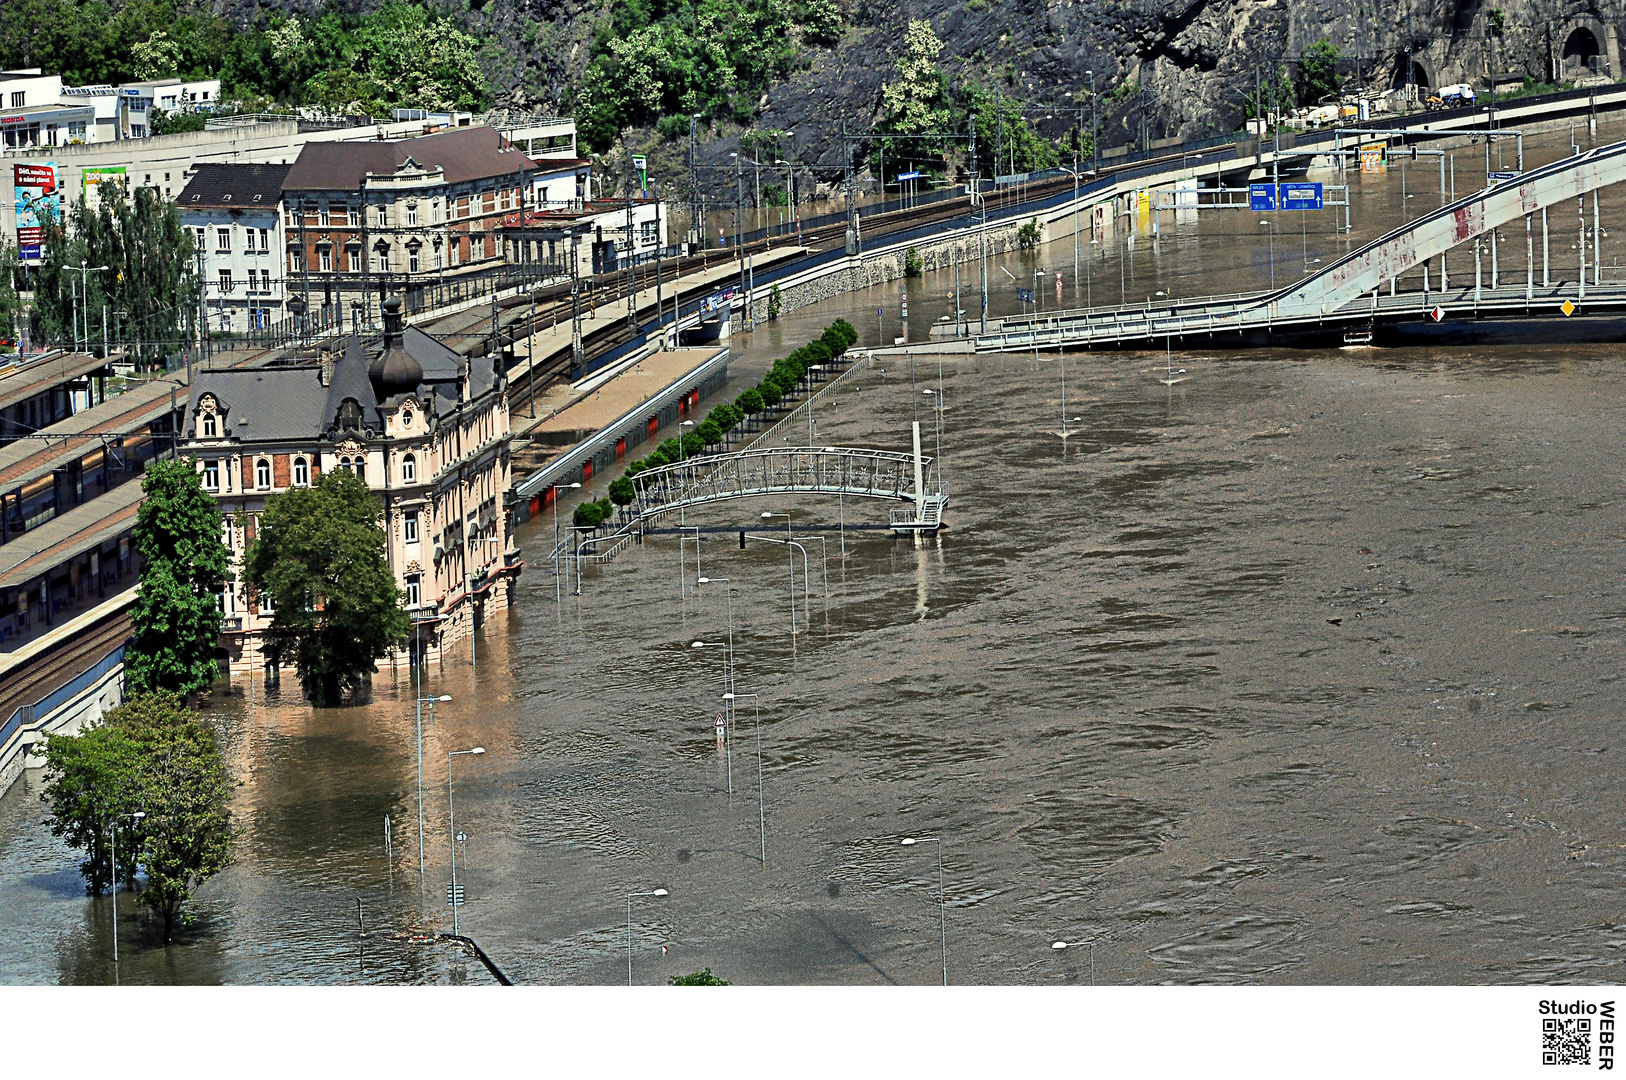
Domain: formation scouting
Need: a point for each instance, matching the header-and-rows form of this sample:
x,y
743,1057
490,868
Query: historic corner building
x,y
427,428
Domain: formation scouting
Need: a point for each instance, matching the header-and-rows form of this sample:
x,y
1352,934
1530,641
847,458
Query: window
x,y
222,239
208,425
225,532
138,131
302,472
211,475
16,99
326,218
479,243
409,469
225,281
412,260
265,281
352,256
325,257
294,261
262,474
352,217
409,526
265,240
648,233
413,590
358,465
350,415
267,607
412,213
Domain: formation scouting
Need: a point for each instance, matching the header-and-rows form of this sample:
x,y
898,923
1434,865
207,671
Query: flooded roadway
x,y
1302,669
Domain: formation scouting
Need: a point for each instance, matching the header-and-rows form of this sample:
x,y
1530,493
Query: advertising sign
x,y
1304,196
96,175
1261,197
38,199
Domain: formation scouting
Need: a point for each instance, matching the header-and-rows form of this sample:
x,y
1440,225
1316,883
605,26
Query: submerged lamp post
x,y
942,907
653,892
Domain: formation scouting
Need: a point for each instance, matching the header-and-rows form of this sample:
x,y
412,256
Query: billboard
x,y
94,177
38,199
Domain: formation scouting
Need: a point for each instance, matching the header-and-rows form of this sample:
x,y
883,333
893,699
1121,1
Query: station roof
x,y
128,414
38,376
82,529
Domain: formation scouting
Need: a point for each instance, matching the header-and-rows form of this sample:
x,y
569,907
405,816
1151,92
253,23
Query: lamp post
x,y
768,515
762,817
113,873
683,582
558,586
1095,140
942,907
1272,225
653,892
422,701
451,823
1058,946
729,595
807,588
728,692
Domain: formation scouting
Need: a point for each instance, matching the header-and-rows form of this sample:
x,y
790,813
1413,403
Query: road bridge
x,y
1349,290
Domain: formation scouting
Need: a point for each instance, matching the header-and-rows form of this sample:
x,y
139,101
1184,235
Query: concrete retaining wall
x,y
101,694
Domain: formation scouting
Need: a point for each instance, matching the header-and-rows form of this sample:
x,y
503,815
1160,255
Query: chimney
x,y
327,367
392,322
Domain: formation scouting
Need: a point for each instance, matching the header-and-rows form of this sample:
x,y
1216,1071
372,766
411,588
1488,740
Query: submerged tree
x,y
320,557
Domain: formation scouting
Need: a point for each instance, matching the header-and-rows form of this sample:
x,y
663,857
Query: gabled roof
x,y
470,153
233,187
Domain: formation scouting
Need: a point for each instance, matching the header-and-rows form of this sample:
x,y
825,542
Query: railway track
x,y
42,673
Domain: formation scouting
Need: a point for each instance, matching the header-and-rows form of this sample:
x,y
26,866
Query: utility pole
x,y
696,235
739,227
576,357
632,267
982,206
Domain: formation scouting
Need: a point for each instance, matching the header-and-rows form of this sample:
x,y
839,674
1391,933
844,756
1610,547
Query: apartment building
x,y
36,110
235,214
427,428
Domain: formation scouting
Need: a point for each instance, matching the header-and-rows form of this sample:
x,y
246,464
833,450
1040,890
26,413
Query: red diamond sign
x,y
1437,314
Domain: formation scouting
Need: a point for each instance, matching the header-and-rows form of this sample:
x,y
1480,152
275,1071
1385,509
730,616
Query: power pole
x,y
632,269
982,206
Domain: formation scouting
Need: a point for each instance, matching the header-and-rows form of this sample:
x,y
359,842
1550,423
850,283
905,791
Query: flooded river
x,y
1302,669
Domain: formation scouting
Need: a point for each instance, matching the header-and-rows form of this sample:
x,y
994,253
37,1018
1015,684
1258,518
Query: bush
x,y
1030,234
913,264
704,977
775,305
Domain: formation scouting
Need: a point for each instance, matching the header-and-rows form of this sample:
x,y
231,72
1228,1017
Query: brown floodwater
x,y
1303,669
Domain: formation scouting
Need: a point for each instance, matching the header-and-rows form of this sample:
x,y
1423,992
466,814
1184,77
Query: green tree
x,y
319,556
913,265
175,623
703,977
1318,73
1030,234
768,391
710,432
775,303
750,402
621,490
152,756
11,305
916,100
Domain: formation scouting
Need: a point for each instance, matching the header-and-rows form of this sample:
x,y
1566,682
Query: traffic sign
x,y
1261,197
1437,314
908,176
1502,177
1305,196
1567,307
459,901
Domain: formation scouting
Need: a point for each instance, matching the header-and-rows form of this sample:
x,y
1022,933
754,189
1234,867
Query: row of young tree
x,y
780,383
149,782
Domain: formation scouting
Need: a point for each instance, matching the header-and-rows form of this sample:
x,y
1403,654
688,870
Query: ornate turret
x,y
393,372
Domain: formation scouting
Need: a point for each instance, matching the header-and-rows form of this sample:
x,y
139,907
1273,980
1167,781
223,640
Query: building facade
x,y
235,214
427,429
368,220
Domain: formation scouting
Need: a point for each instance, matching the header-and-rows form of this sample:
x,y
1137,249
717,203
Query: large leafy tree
x,y
319,556
1318,72
184,563
149,290
151,755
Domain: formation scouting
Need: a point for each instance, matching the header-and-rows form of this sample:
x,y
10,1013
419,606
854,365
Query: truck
x,y
1455,95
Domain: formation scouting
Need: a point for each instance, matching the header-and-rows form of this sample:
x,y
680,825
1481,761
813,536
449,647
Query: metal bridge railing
x,y
874,474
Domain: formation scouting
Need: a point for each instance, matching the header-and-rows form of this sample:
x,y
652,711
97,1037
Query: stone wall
x,y
866,270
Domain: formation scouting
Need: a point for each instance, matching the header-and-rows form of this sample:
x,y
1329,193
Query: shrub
x,y
1030,234
775,305
913,264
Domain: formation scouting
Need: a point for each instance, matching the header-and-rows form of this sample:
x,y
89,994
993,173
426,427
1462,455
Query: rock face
x,y
1164,69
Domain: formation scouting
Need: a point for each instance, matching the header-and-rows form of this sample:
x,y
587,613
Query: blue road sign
x,y
1301,196
909,176
1261,197
1503,177
1024,295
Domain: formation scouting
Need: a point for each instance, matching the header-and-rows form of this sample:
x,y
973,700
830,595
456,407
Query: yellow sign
x,y
1374,157
1143,202
1567,308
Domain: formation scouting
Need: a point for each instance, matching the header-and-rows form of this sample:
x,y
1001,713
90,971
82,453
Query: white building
x,y
37,110
235,214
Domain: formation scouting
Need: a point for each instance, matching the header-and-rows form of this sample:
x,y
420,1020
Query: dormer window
x,y
209,431
350,415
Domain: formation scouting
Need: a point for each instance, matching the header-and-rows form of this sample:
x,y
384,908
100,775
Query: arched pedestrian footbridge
x,y
1349,289
831,470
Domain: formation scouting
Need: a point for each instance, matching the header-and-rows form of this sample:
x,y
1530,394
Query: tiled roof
x,y
469,153
233,186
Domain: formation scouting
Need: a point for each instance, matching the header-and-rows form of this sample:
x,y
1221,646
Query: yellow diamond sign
x,y
1567,307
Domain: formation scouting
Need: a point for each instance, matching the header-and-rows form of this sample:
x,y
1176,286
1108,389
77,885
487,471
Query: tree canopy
x,y
153,756
1318,73
175,624
319,557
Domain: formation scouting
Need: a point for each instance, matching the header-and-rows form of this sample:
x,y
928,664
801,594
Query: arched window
x,y
409,469
302,472
350,415
208,425
358,465
262,473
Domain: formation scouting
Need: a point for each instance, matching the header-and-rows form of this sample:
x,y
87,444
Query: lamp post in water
x,y
942,907
653,892
1060,945
762,816
113,872
451,814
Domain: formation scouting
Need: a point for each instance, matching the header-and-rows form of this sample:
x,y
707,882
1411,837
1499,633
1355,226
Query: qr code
x,y
1566,1042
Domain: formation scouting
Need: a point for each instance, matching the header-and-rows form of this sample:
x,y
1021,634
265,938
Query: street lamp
x,y
558,586
762,817
429,701
728,687
654,892
1095,140
113,868
1058,946
451,824
1272,224
942,907
729,594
